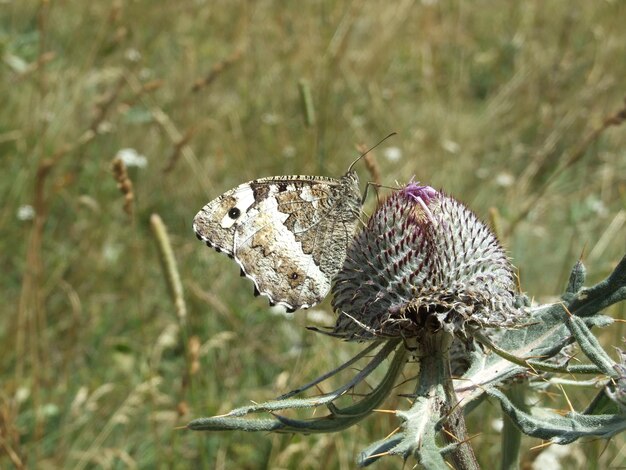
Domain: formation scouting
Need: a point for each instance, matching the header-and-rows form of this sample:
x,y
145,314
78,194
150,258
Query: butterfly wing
x,y
217,222
290,236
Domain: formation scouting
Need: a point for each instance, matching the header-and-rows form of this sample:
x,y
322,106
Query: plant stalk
x,y
436,379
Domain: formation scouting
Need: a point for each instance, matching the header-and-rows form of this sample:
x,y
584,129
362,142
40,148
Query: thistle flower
x,y
423,262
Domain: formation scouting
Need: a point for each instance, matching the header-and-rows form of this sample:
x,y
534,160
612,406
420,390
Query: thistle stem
x,y
435,380
511,435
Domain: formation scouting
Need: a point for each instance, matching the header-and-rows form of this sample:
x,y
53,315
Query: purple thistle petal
x,y
415,191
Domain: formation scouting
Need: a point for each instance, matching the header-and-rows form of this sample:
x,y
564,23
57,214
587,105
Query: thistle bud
x,y
423,262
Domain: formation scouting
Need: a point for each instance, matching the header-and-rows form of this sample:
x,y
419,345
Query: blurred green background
x,y
501,104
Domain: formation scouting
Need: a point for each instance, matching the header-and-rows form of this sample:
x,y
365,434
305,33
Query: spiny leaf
x,y
560,429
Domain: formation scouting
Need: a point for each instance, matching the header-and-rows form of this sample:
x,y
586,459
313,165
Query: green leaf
x,y
590,345
338,418
576,280
547,425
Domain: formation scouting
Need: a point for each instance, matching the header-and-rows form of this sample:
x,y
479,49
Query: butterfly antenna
x,y
369,150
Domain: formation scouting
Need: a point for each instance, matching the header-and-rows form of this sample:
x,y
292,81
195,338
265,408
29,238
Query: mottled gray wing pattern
x,y
289,234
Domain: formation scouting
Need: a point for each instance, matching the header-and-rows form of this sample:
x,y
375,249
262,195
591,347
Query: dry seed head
x,y
124,184
423,262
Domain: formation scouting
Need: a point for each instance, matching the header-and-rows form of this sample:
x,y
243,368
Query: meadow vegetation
x,y
509,107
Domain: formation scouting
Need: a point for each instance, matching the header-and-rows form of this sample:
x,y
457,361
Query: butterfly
x,y
288,234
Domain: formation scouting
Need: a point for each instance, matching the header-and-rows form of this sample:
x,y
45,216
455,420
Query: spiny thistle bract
x,y
424,261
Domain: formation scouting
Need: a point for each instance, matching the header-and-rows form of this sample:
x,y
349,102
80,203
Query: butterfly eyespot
x,y
234,213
